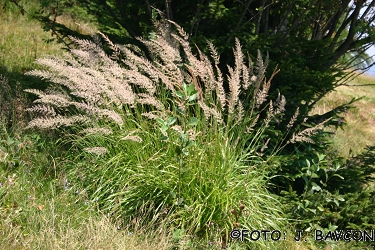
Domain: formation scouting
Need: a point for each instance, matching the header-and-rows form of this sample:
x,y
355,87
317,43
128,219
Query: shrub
x,y
161,140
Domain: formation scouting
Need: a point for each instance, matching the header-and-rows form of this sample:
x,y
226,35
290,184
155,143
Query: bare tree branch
x,y
240,20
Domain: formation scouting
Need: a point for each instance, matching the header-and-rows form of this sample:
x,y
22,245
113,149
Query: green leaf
x,y
308,163
341,177
193,121
336,202
315,187
180,94
340,198
308,172
190,144
190,89
171,121
321,157
10,142
173,194
192,97
185,87
307,203
164,128
3,149
161,121
311,210
184,137
314,175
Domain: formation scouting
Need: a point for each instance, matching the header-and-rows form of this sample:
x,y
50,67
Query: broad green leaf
x,y
164,128
173,194
190,144
192,97
336,202
308,163
161,121
340,198
321,157
311,210
314,175
190,90
171,120
180,94
307,203
315,187
193,121
185,87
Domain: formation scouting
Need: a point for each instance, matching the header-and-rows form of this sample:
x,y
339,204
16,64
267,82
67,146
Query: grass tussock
x,y
161,140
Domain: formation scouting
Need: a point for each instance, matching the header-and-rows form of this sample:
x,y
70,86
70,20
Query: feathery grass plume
x,y
57,121
43,110
280,104
150,115
305,135
96,150
219,79
261,95
124,92
135,138
293,119
249,128
96,131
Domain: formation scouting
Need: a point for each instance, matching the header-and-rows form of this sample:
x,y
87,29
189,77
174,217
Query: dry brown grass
x,y
92,233
360,129
79,26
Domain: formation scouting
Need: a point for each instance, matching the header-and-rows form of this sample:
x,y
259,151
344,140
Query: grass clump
x,y
162,140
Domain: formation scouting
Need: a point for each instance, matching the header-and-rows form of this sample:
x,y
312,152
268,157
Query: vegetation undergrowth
x,y
161,140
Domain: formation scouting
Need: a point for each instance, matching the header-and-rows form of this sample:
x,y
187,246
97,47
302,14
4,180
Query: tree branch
x,y
168,9
132,33
148,7
240,20
348,43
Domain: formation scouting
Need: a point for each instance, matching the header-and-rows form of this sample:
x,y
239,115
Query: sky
x,y
371,52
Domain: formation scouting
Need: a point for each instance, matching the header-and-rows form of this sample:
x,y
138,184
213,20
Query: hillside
x,y
359,132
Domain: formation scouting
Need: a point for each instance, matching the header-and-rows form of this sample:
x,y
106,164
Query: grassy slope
x,y
360,129
21,42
